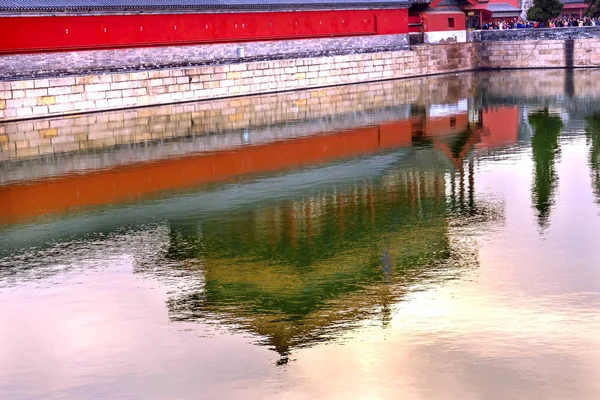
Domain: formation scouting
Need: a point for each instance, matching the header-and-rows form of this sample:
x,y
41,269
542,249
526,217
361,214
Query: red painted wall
x,y
47,33
436,22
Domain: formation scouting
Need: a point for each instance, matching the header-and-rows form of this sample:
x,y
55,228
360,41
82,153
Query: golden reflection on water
x,y
461,265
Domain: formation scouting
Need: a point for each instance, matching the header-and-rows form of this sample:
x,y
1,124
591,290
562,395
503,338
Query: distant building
x,y
478,12
574,8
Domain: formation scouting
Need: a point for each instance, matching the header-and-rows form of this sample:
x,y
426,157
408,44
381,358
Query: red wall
x,y
47,33
436,22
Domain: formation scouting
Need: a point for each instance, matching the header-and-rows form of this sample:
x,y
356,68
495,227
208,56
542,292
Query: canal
x,y
428,238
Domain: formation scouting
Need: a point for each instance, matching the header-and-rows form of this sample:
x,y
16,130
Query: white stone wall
x,y
459,36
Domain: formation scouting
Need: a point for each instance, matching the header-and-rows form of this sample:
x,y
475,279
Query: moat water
x,y
444,247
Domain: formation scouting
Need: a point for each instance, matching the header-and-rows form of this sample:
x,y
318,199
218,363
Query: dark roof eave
x,y
35,7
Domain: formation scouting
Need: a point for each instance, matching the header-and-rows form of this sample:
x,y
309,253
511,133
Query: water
x,y
439,241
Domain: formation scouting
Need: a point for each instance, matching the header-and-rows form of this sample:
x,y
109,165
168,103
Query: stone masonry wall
x,y
25,99
539,53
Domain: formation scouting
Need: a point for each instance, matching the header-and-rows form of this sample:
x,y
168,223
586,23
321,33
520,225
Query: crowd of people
x,y
561,22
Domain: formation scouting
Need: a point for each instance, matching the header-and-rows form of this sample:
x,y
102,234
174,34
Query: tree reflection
x,y
545,147
592,132
300,271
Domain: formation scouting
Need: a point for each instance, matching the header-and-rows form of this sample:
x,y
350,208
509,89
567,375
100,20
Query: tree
x,y
544,10
593,9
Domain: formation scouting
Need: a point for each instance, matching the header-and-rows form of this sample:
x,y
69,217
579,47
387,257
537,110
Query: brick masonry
x,y
23,99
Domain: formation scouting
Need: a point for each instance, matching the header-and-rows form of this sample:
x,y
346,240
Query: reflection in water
x,y
295,271
299,271
394,251
593,135
544,146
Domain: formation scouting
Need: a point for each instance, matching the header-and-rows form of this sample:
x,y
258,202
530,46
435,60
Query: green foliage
x,y
593,9
544,10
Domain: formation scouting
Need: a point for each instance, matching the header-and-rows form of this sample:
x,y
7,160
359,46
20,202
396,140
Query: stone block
x,y
98,87
24,112
121,85
159,74
21,85
46,100
84,105
111,94
48,133
41,124
115,102
65,147
73,98
6,94
202,94
36,92
18,103
41,83
60,108
101,104
136,76
119,78
59,90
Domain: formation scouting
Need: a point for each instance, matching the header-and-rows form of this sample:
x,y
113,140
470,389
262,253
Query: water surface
x,y
439,240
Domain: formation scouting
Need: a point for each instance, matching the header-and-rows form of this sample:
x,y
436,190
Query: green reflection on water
x,y
545,148
298,270
593,136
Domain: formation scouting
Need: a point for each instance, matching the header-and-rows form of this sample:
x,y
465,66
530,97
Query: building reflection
x,y
448,128
545,148
592,133
303,270
360,218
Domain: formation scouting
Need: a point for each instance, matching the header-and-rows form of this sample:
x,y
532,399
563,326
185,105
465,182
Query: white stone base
x,y
445,37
